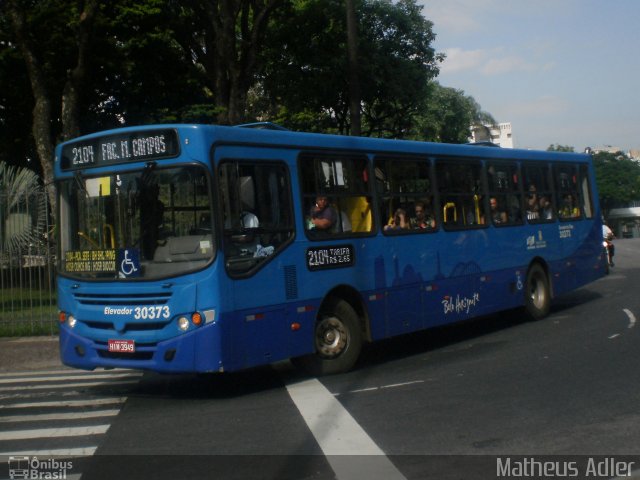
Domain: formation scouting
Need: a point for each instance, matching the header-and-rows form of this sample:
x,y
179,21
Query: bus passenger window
x,y
406,196
504,187
539,195
566,179
336,195
461,193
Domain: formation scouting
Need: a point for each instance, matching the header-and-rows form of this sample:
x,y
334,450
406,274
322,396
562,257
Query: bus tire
x,y
337,340
537,294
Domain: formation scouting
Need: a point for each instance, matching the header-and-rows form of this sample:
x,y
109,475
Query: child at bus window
x,y
423,218
399,221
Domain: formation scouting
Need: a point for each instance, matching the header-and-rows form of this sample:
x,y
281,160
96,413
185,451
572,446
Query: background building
x,y
499,134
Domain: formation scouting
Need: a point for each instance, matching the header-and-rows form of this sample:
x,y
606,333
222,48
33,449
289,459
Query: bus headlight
x,y
183,324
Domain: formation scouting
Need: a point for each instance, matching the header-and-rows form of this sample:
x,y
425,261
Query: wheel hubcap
x,y
331,337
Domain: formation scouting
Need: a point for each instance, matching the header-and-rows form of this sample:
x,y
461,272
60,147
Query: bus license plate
x,y
121,346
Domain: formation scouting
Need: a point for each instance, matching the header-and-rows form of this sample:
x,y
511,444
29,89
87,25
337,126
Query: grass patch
x,y
27,312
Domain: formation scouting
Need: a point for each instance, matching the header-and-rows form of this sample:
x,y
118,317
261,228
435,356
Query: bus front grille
x,y
120,299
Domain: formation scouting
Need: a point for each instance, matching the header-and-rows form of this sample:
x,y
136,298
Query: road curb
x,y
29,353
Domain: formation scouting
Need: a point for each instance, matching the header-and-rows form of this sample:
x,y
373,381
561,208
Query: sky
x,y
563,72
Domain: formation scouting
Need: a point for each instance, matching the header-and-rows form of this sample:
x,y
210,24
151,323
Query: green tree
x,y
448,116
54,40
559,148
618,179
306,82
22,208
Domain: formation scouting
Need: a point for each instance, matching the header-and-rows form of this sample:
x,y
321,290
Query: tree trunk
x,y
41,123
238,28
354,80
72,94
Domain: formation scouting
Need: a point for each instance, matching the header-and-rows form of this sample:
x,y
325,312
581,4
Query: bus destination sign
x,y
125,147
95,261
319,258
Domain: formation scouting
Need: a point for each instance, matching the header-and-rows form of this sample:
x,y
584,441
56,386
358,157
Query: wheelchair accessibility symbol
x,y
128,263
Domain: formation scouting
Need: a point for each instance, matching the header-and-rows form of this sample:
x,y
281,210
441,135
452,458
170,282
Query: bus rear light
x,y
306,308
62,317
196,319
71,321
295,326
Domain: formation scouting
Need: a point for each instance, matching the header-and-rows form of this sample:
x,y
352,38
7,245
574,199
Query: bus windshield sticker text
x,y
319,258
90,261
460,304
120,148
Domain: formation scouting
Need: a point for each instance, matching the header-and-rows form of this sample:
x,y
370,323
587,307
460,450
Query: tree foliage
x,y
71,67
559,148
618,179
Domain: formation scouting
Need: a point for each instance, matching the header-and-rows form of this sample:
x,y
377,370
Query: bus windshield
x,y
145,224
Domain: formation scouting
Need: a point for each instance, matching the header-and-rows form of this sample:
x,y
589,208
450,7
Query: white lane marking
x,y
60,452
632,317
340,436
67,403
107,376
54,432
611,337
59,416
65,385
373,389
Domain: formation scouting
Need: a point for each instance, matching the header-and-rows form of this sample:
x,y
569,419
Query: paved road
x,y
456,402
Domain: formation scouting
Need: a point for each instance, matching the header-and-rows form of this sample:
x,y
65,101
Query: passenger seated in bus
x,y
569,210
322,215
546,209
497,216
399,221
423,218
533,205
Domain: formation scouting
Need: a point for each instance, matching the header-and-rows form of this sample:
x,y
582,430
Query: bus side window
x,y
405,191
257,213
539,201
344,182
504,186
585,190
566,179
462,193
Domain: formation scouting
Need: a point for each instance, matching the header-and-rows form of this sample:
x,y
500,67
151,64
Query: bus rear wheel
x,y
337,340
537,300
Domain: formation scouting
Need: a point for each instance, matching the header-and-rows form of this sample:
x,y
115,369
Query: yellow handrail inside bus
x,y
476,203
448,206
81,234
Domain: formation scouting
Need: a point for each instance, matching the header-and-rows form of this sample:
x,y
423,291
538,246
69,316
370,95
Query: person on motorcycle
x,y
608,236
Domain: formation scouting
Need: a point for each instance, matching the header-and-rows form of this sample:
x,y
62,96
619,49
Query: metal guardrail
x,y
27,267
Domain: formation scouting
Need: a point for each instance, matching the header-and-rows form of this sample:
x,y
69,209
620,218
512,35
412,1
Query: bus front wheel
x,y
537,300
337,340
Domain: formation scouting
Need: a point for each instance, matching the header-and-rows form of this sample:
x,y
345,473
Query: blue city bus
x,y
203,248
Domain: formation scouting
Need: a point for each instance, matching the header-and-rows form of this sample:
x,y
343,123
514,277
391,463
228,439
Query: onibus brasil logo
x,y
32,468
